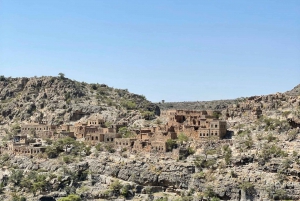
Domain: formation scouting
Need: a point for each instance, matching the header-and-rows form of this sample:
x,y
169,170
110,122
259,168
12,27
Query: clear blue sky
x,y
172,50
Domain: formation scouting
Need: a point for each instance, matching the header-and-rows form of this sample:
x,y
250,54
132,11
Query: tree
x,y
61,76
52,152
2,78
182,138
125,132
66,143
16,176
247,186
148,115
170,144
15,129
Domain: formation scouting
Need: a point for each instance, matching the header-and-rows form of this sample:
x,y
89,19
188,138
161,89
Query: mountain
x,y
294,92
257,160
197,105
59,99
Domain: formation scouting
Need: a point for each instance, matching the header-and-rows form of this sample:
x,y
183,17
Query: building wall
x,y
38,128
95,138
124,142
159,146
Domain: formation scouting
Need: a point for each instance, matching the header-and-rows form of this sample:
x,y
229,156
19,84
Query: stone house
x,y
38,129
196,124
82,129
125,142
21,145
95,138
159,146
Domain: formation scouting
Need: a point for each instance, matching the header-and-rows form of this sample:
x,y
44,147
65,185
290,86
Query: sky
x,y
165,50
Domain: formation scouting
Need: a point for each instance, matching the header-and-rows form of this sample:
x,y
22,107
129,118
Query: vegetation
x,y
110,148
247,186
61,76
270,151
71,197
170,144
130,105
227,153
67,145
148,115
126,133
182,138
292,135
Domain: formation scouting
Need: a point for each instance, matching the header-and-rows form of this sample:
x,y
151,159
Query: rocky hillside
x,y
59,99
198,105
260,161
215,104
294,92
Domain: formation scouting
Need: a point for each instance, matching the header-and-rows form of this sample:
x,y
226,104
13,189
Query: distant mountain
x,y
214,104
198,105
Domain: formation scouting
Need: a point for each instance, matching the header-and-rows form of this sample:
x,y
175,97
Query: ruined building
x,y
196,124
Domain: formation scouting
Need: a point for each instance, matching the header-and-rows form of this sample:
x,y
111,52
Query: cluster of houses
x,y
197,125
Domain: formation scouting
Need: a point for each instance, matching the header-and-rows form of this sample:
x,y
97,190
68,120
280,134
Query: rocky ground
x,y
261,160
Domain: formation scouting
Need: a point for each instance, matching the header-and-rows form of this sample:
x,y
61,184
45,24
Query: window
x,y
216,126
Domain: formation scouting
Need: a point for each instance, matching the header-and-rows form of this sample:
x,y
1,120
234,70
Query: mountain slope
x,y
294,92
59,99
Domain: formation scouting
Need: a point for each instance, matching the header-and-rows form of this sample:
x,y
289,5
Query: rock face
x,y
58,99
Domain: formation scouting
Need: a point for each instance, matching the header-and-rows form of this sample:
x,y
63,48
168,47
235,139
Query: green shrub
x,y
67,159
170,144
292,135
270,138
182,138
148,115
99,147
191,150
246,186
71,197
110,148
125,132
115,186
200,175
129,105
16,177
124,191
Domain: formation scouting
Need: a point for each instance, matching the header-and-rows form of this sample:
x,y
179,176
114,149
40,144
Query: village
x,y
196,125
